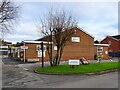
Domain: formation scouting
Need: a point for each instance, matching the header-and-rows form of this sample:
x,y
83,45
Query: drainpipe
x,y
97,55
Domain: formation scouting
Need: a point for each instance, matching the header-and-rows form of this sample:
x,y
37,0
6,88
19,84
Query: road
x,y
19,75
100,81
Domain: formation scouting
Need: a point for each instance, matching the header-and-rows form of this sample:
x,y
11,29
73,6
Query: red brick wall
x,y
105,48
115,45
77,50
32,53
119,46
72,50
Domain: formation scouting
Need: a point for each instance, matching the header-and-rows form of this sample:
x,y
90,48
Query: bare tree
x,y
57,27
8,14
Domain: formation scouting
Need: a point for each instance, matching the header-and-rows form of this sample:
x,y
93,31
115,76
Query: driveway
x,y
19,75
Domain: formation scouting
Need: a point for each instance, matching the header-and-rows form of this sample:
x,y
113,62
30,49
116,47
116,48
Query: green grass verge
x,y
81,69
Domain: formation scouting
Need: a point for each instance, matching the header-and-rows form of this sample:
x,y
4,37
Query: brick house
x,y
81,45
114,45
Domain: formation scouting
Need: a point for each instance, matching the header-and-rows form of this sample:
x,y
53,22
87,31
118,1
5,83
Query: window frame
x,y
99,49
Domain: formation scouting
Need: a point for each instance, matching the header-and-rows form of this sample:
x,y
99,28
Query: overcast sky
x,y
97,18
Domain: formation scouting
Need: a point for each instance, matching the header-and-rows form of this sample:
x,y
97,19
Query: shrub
x,y
95,56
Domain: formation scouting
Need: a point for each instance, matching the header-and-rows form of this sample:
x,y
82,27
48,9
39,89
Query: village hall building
x,y
81,45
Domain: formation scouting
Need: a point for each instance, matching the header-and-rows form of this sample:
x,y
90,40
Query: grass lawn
x,y
81,69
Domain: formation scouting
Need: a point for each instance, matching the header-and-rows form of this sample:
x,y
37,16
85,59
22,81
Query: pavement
x,y
16,74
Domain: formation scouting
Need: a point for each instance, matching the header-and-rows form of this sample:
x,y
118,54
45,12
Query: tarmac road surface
x,y
18,75
109,80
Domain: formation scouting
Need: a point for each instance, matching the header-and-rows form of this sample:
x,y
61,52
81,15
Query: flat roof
x,y
101,44
30,41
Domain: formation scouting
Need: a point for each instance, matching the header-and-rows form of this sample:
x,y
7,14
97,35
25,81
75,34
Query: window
x,y
39,48
100,49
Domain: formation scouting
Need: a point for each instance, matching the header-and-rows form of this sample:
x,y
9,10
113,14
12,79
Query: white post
x,y
97,54
18,53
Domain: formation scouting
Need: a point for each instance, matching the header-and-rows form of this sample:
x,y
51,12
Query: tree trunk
x,y
61,52
51,61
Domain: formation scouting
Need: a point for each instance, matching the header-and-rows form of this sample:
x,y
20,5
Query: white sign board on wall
x,y
75,39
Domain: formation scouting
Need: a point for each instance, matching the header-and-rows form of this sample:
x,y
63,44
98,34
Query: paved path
x,y
18,75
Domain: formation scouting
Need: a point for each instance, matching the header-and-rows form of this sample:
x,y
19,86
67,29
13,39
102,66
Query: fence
x,y
114,54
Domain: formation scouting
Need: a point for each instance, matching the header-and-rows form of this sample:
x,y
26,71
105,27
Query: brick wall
x,y
72,50
77,50
104,52
115,45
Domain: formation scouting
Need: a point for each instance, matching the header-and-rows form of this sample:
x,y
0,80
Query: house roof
x,y
116,37
85,31
46,37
